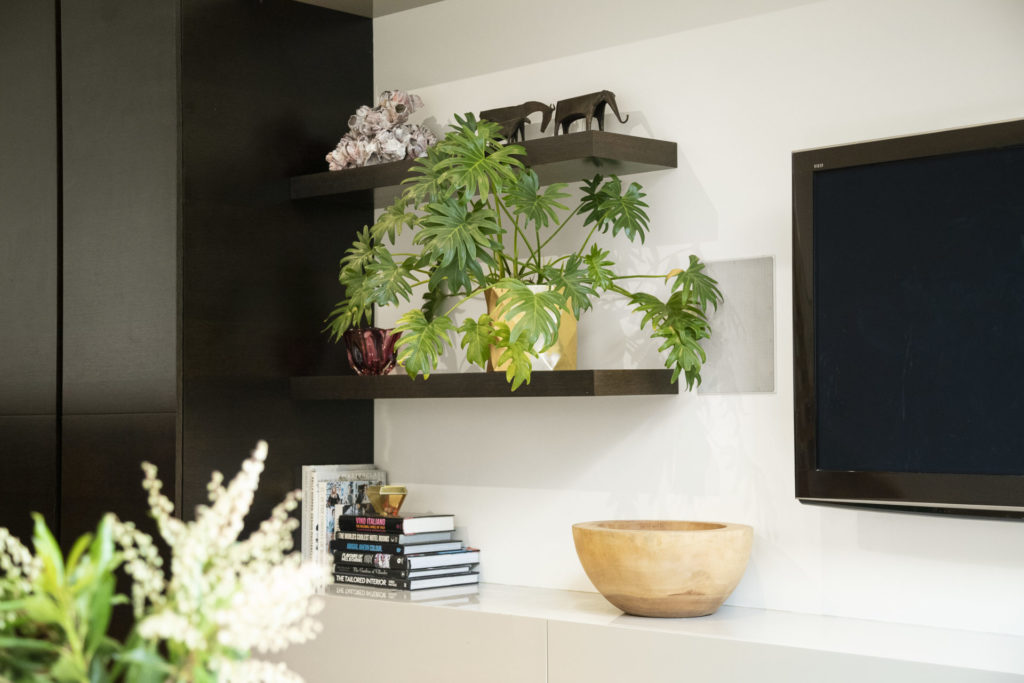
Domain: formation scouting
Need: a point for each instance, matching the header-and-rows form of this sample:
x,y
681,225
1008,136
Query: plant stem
x,y
519,231
464,300
589,235
559,228
626,277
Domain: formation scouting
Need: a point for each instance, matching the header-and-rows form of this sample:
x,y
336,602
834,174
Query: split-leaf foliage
x,y
481,219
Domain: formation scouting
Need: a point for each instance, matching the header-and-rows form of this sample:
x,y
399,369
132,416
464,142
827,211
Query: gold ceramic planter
x,y
664,568
560,356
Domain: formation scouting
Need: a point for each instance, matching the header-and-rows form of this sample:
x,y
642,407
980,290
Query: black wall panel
x,y
102,465
120,205
266,91
161,319
28,263
120,133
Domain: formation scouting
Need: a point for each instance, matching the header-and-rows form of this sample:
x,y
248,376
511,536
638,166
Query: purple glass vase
x,y
371,350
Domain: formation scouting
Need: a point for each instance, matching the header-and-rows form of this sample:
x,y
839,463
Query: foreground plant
x,y
223,599
481,221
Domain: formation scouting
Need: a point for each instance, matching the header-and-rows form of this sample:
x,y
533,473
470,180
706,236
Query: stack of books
x,y
409,553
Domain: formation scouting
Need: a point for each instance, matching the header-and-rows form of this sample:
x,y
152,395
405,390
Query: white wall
x,y
738,96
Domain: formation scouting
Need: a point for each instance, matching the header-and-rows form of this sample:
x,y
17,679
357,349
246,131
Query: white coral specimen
x,y
381,134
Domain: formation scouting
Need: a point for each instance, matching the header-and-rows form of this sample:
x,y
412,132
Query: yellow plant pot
x,y
560,356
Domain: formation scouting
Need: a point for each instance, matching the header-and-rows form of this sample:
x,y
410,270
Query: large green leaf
x,y
344,316
434,300
15,643
599,268
539,313
388,280
392,221
682,323
424,182
609,207
573,281
475,162
518,354
454,232
422,342
540,208
357,256
697,285
48,551
477,338
684,354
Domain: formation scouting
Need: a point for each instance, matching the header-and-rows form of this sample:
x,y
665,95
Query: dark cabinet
x,y
164,285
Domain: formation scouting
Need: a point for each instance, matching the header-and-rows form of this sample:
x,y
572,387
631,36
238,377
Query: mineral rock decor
x,y
381,134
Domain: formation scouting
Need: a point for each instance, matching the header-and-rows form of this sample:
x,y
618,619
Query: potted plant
x,y
198,618
481,221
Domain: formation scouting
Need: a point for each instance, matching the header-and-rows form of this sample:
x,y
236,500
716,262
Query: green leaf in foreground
x,y
422,342
536,315
518,354
477,338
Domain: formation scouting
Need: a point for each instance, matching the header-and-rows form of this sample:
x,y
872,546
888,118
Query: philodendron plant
x,y
481,220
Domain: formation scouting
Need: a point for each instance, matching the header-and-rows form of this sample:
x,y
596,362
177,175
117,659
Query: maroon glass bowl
x,y
371,350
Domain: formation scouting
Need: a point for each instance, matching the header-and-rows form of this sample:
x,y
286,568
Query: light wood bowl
x,y
664,568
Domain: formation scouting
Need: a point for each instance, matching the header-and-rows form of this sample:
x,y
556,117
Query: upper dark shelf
x,y
556,159
485,384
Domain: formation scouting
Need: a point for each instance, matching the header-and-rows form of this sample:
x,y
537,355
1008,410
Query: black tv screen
x,y
909,321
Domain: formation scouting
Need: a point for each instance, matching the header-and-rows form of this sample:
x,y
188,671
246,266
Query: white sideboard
x,y
528,635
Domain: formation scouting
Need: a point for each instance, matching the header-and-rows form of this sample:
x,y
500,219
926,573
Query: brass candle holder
x,y
386,500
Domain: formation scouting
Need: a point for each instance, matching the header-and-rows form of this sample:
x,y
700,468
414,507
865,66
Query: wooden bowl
x,y
664,568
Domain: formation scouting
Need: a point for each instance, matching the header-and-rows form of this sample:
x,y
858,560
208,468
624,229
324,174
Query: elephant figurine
x,y
587,107
513,120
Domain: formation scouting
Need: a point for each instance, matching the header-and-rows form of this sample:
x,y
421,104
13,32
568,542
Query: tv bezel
x,y
959,494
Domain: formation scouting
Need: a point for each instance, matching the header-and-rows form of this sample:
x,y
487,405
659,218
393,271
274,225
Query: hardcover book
x,y
406,584
448,595
316,513
402,573
406,524
391,561
337,546
384,537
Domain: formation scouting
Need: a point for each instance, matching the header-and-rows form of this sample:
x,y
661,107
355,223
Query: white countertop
x,y
948,647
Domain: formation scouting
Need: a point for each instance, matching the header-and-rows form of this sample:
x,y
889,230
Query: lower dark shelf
x,y
485,384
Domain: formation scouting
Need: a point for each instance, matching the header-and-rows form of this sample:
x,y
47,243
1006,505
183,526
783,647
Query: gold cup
x,y
386,500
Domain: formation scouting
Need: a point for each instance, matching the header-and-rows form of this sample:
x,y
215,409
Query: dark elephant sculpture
x,y
513,120
589,107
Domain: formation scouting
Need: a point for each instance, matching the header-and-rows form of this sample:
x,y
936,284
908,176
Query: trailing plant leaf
x,y
433,302
608,207
599,268
392,221
353,263
387,280
536,315
517,353
477,338
344,316
475,162
574,282
697,284
422,342
682,323
684,354
540,208
425,182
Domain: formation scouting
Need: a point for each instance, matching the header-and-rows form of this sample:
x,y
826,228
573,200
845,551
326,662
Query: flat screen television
x,y
908,322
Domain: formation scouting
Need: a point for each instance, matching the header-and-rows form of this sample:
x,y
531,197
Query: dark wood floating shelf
x,y
485,384
556,159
